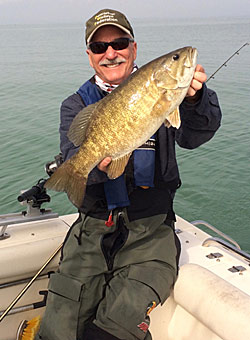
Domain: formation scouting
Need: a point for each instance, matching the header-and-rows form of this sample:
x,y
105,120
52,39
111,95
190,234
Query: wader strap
x,y
144,164
116,193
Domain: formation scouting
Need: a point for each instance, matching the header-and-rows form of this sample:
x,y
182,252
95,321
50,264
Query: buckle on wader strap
x,y
109,223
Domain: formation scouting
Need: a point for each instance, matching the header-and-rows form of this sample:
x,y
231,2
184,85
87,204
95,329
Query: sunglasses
x,y
117,44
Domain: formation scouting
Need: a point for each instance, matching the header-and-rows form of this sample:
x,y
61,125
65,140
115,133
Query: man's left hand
x,y
196,84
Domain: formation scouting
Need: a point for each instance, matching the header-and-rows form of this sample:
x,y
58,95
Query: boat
x,y
210,300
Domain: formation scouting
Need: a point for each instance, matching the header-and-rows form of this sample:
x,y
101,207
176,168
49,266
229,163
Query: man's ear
x,y
90,59
135,49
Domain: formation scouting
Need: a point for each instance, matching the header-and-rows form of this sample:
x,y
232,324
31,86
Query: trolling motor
x,y
33,199
35,196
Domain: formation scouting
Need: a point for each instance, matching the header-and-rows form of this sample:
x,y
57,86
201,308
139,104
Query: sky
x,y
76,11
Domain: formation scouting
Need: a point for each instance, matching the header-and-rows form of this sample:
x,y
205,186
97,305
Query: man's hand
x,y
196,84
103,165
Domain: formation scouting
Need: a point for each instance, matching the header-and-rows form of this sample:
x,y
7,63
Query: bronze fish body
x,y
125,119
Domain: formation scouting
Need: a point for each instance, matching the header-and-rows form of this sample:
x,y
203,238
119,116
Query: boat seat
x,y
202,306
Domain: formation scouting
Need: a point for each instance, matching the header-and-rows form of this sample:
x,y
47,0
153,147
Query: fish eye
x,y
176,57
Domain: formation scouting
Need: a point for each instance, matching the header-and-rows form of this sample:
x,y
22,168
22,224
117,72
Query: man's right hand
x,y
103,165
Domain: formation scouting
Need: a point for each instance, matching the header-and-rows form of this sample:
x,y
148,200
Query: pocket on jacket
x,y
60,320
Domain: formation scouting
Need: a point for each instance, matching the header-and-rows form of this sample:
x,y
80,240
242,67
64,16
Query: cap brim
x,y
105,24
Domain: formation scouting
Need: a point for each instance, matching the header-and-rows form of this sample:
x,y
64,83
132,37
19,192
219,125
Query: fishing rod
x,y
225,63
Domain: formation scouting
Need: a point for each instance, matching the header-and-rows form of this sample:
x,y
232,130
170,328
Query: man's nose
x,y
111,53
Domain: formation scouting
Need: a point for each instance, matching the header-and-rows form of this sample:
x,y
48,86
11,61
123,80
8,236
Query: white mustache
x,y
117,60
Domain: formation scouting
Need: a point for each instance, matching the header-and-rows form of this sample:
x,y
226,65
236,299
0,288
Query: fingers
x,y
199,78
200,75
199,68
103,165
195,86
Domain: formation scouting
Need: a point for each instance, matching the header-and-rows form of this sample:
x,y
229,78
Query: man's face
x,y
112,66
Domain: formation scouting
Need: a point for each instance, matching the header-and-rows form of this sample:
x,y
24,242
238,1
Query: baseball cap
x,y
107,17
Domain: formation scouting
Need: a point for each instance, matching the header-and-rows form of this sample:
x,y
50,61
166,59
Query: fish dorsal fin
x,y
117,166
173,119
78,127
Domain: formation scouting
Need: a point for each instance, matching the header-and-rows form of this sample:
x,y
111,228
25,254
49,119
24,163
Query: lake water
x,y
40,65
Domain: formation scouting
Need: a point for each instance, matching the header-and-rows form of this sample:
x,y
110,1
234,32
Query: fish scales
x,y
126,119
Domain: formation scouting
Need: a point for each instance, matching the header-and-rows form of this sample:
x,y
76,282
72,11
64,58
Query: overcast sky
x,y
75,11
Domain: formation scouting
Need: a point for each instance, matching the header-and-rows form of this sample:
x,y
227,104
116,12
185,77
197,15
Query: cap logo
x,y
105,17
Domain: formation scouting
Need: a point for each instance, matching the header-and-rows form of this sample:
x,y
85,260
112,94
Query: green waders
x,y
111,276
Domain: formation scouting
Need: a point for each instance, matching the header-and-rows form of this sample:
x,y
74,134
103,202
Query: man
x,y
120,258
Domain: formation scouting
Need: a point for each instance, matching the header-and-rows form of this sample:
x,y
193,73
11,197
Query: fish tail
x,y
66,179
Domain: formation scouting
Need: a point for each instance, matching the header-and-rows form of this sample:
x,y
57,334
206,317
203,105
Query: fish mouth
x,y
193,54
191,58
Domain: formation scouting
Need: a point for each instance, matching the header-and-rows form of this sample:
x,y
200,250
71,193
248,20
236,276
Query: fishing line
x,y
225,63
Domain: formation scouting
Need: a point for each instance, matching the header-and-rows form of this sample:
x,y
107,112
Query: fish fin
x,y
162,105
117,166
166,123
78,127
173,119
66,179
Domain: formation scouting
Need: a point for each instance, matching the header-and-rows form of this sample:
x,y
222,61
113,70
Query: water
x,y
40,65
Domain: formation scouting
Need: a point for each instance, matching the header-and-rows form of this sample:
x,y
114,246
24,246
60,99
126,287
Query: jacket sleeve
x,y
199,121
69,109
